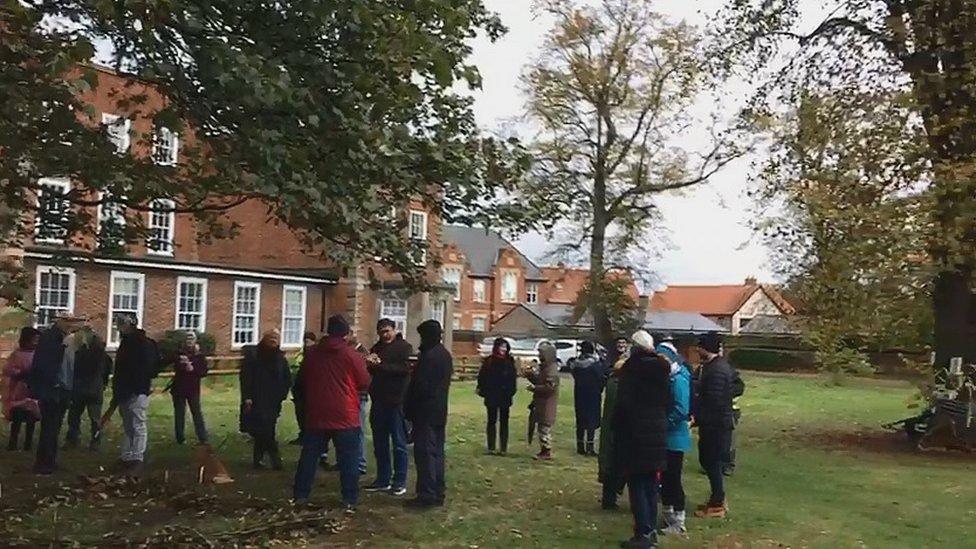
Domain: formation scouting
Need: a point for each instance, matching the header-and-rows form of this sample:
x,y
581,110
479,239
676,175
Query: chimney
x,y
751,281
643,302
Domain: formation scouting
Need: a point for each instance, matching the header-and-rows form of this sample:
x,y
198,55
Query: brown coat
x,y
545,388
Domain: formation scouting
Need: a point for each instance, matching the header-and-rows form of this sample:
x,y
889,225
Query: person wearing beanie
x,y
640,429
334,375
426,407
678,441
265,381
544,386
589,375
718,383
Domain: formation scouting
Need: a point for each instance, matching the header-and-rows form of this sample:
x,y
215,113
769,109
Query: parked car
x,y
567,349
527,349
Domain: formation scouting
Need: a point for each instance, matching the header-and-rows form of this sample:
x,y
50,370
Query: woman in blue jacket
x,y
678,441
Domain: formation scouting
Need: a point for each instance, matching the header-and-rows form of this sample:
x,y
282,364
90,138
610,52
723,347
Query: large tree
x,y
329,112
610,94
923,48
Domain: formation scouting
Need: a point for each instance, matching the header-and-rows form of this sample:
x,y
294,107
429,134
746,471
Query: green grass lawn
x,y
814,471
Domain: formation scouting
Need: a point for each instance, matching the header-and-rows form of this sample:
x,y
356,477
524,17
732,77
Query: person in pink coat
x,y
18,406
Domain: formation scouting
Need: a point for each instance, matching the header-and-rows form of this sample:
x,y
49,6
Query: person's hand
x,y
248,404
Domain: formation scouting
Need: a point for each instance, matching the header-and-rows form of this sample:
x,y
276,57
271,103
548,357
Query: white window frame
x,y
438,312
140,302
301,330
456,321
240,284
100,216
112,120
49,269
475,296
64,185
457,284
513,297
396,318
474,323
162,132
531,293
180,281
422,236
170,216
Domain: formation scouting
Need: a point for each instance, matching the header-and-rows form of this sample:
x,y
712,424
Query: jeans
x,y
52,417
348,450
387,426
20,417
428,454
713,447
672,491
135,433
643,502
363,403
179,417
79,404
497,415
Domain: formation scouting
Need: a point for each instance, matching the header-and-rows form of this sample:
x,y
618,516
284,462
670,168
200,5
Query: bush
x,y
169,344
766,360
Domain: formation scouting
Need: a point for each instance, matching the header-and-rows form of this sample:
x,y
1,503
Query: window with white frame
x,y
395,310
532,292
418,231
118,130
166,146
247,309
452,276
111,221
479,323
457,321
191,304
54,293
293,301
478,289
509,286
125,298
51,224
438,312
162,225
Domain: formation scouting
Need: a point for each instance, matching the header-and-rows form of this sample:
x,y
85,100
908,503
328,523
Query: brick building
x,y
233,289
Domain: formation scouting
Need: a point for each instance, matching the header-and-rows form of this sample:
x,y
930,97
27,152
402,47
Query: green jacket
x,y
609,466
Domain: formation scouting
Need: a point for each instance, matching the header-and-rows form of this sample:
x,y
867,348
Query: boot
x,y
591,449
580,449
543,455
710,510
667,517
275,458
676,526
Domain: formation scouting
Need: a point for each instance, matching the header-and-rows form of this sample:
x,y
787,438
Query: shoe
x,y
711,511
349,509
676,526
398,491
299,502
728,470
607,506
374,487
362,472
418,503
503,452
640,542
490,452
43,471
545,455
666,516
580,450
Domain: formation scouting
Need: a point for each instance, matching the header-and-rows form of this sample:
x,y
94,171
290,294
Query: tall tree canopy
x,y
916,52
330,112
610,94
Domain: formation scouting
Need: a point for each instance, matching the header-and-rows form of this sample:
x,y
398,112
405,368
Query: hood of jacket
x,y
547,354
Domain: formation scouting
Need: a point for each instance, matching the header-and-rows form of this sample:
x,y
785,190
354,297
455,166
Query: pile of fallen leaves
x,y
255,521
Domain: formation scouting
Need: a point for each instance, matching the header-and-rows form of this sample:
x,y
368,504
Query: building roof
x,y
721,300
481,248
565,283
557,315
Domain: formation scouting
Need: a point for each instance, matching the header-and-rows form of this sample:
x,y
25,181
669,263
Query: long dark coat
x,y
589,375
640,418
496,381
265,380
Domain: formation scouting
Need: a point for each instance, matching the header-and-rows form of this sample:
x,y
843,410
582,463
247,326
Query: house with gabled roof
x,y
732,306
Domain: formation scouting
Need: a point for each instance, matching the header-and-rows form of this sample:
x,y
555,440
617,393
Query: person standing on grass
x,y
19,408
715,421
335,373
93,367
297,398
190,369
544,386
265,381
589,375
136,364
426,408
611,474
50,381
496,385
678,441
363,405
389,365
640,430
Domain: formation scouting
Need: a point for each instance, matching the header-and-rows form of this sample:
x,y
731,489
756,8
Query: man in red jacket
x,y
335,374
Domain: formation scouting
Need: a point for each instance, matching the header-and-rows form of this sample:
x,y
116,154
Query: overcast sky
x,y
709,240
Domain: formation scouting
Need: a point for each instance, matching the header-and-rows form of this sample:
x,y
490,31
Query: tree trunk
x,y
955,332
598,304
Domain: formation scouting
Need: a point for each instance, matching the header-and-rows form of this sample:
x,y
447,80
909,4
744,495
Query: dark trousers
x,y
266,442
672,491
643,502
79,405
347,443
53,409
17,418
611,491
428,453
180,404
299,415
730,466
387,425
713,447
587,436
497,420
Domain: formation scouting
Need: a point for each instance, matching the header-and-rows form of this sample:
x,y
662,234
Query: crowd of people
x,y
643,399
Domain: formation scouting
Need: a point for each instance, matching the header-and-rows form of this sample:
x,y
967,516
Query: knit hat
x,y
711,342
337,326
643,340
430,330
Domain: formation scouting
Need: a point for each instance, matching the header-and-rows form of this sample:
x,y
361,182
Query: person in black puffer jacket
x,y
496,385
640,423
